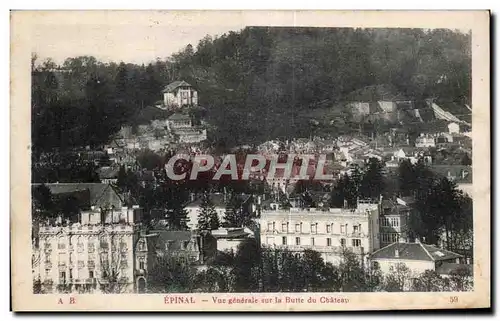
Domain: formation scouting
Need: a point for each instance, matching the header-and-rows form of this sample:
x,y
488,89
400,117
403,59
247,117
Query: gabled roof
x,y
88,194
174,85
414,251
108,172
158,238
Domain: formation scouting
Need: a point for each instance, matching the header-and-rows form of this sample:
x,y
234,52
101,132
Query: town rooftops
x,y
174,85
413,251
87,194
176,240
461,174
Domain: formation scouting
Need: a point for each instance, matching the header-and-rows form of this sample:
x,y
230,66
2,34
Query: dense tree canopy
x,y
255,84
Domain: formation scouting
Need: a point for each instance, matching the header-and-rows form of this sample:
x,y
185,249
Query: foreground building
x,y
94,252
328,232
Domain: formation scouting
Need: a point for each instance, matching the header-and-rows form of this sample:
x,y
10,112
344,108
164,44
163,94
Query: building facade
x,y
328,232
178,94
93,253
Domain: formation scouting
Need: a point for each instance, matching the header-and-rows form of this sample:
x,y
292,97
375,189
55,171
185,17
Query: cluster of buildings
x,y
107,247
377,232
168,123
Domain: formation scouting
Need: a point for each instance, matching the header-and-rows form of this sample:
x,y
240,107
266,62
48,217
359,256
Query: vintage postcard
x,y
250,160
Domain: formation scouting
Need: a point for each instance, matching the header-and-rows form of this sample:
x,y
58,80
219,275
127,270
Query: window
x,y
141,263
270,227
356,242
355,229
70,274
297,228
314,228
61,245
91,274
91,247
79,244
312,241
342,229
284,227
142,245
297,241
328,242
47,246
71,258
375,265
185,245
123,256
283,240
104,245
47,273
81,264
123,246
328,228
394,221
91,263
342,242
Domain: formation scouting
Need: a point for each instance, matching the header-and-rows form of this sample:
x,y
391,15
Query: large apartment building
x,y
94,253
328,232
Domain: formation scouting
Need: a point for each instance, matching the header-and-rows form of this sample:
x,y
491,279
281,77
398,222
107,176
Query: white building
x,y
178,94
417,257
230,238
327,232
94,254
425,141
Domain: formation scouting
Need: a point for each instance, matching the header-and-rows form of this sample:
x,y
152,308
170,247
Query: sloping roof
x,y
174,239
414,251
174,85
108,172
89,194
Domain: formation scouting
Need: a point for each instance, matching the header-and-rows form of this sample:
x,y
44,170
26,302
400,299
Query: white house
x,y
418,257
178,94
453,128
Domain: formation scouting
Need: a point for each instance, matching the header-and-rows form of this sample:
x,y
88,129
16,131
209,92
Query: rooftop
x,y
87,194
174,85
414,251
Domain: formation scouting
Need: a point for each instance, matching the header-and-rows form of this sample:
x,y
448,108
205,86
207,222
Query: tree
x,y
122,178
398,279
352,274
372,181
460,279
428,281
112,278
207,215
170,274
233,213
247,266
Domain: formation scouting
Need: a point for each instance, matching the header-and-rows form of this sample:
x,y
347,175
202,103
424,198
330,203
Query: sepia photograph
x,y
263,166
